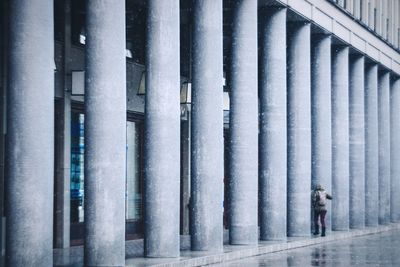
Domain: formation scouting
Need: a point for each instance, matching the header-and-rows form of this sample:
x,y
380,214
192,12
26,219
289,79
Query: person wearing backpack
x,y
320,197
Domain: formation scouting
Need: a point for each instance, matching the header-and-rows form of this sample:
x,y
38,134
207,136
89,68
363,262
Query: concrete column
x,y
395,151
30,136
62,166
371,145
207,127
243,170
384,147
162,136
185,172
273,139
299,130
340,138
321,116
105,151
3,94
63,172
357,143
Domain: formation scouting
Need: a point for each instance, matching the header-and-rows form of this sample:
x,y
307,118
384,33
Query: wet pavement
x,y
372,246
381,250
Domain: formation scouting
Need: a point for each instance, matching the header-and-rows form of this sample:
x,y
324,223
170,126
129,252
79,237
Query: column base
x,y
243,235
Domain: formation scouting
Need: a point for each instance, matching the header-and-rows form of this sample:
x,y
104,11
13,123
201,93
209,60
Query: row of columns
x,y
311,131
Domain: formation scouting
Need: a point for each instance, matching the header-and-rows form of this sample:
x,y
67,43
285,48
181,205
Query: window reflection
x,y
133,185
77,166
133,169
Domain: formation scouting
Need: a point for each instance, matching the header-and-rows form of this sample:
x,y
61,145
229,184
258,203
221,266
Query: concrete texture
x,y
299,130
3,117
105,146
384,147
162,134
273,131
62,167
356,143
340,138
371,145
207,170
30,135
321,172
395,151
243,167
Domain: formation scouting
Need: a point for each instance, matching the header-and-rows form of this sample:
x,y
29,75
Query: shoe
x,y
316,230
323,231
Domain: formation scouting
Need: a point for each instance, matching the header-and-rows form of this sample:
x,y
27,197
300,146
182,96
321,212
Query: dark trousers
x,y
321,215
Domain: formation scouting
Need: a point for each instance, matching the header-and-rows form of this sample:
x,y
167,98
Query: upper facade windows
x,y
379,16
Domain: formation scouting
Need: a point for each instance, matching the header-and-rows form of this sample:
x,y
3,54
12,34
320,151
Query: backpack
x,y
321,198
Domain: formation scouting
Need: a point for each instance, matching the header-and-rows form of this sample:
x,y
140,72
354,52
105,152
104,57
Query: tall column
x,y
299,130
243,169
357,142
395,151
371,145
162,137
384,147
340,138
185,172
3,93
62,144
30,136
62,171
321,115
105,151
273,139
207,127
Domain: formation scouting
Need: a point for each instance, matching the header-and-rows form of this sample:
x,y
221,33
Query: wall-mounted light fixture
x,y
128,53
142,84
82,36
226,101
186,93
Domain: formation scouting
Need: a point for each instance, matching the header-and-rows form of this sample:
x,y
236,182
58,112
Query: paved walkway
x,y
231,253
381,249
373,246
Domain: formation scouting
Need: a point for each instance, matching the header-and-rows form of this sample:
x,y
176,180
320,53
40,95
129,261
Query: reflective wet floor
x,y
373,250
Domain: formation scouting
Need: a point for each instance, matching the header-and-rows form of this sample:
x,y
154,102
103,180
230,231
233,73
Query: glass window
x,y
133,171
77,165
78,11
362,10
133,168
59,20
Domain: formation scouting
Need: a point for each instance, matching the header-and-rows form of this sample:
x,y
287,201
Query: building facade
x,y
150,119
